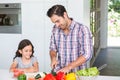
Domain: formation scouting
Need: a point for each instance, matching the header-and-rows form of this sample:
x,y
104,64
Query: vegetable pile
x,y
20,75
55,76
93,71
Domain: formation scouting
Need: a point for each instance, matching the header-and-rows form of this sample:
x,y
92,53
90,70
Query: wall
x,y
36,26
80,11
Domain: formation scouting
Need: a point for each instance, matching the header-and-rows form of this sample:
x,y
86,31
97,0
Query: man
x,y
71,42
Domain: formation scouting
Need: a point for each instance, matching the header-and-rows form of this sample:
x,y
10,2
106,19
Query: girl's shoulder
x,y
17,59
33,58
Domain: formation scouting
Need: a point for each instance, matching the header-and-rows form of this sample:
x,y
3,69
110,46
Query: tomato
x,y
21,72
17,72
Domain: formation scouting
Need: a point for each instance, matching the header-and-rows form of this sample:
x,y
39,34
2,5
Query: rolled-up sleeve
x,y
86,43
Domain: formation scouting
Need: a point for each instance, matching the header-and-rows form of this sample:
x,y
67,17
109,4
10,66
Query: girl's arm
x,y
13,66
34,68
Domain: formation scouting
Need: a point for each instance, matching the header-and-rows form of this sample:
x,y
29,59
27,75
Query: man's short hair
x,y
57,10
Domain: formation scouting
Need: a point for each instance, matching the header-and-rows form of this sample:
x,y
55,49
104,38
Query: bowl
x,y
87,77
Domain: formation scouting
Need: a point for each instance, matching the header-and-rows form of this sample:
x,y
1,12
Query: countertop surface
x,y
6,75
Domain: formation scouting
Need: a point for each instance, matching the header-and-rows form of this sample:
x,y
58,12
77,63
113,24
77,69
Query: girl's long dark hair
x,y
23,44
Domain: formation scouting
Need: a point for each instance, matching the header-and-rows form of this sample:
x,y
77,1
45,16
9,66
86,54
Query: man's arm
x,y
79,61
53,56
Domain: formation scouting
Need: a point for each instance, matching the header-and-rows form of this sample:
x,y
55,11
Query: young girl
x,y
24,59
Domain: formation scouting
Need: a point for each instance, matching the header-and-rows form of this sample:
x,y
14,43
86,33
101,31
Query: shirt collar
x,y
72,24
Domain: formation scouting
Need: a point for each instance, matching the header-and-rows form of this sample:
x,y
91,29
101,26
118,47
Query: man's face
x,y
59,21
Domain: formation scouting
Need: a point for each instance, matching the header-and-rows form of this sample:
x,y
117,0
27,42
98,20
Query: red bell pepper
x,y
60,76
49,77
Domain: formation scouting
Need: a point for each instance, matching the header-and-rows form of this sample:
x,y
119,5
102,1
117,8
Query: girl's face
x,y
26,52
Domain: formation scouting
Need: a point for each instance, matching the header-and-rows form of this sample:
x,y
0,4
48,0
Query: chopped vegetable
x,y
42,74
93,71
45,73
37,76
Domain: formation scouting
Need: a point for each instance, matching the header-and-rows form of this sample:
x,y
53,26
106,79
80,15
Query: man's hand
x,y
65,69
53,63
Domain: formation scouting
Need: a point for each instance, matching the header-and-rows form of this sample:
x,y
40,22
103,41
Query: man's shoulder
x,y
77,24
74,22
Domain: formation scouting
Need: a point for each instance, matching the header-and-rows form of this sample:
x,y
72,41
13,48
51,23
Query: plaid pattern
x,y
70,47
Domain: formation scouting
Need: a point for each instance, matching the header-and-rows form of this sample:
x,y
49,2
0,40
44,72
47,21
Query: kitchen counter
x,y
6,75
108,78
